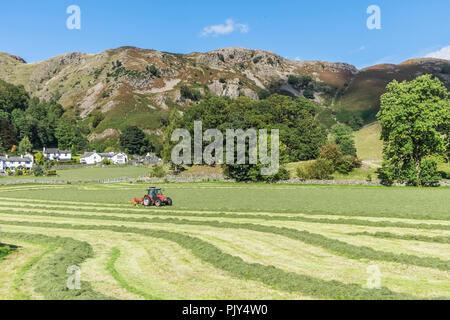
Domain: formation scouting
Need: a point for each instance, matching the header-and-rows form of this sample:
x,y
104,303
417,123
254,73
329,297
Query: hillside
x,y
132,86
368,142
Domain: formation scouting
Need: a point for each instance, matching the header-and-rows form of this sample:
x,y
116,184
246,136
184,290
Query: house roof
x,y
87,154
16,159
54,150
103,155
107,155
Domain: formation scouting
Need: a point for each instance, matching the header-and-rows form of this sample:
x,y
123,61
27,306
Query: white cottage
x,y
12,163
57,155
94,157
119,158
91,158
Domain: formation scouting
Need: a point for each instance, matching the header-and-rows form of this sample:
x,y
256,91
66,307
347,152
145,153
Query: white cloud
x,y
223,29
444,53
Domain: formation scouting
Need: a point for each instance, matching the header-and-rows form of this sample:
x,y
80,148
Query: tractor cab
x,y
154,192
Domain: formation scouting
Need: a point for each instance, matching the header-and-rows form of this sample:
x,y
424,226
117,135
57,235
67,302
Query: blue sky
x,y
307,30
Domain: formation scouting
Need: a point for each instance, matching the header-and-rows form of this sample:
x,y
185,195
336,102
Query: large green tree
x,y
25,146
343,137
301,134
133,140
12,97
70,136
415,120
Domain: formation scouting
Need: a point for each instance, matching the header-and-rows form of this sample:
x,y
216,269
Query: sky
x,y
334,31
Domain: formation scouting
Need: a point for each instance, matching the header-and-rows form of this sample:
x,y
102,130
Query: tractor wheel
x,y
147,201
158,203
169,202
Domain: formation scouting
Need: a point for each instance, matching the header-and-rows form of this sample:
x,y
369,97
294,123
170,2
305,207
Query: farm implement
x,y
154,197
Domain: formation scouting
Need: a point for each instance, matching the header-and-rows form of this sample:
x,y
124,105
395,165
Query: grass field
x,y
225,241
89,173
368,143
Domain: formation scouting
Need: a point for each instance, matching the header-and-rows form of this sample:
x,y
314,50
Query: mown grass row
x,y
333,245
237,267
123,283
5,250
338,221
415,237
50,275
20,278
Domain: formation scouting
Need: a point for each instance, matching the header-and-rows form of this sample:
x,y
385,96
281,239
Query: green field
x,y
225,241
89,173
368,143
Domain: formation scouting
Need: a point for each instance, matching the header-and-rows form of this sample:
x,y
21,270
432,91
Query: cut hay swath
x,y
193,251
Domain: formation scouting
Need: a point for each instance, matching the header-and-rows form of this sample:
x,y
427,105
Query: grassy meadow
x,y
225,241
88,173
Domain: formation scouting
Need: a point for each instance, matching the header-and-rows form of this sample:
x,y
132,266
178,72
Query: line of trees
x,y
301,134
32,123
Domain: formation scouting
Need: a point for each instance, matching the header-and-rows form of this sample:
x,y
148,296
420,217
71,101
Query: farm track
x,y
263,255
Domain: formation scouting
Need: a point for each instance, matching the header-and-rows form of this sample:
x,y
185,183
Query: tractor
x,y
154,197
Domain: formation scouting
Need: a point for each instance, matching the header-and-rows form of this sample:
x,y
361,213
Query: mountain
x,y
133,86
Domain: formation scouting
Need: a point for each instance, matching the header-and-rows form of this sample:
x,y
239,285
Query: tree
x,y
25,146
8,133
320,169
106,162
308,94
415,120
39,159
133,140
331,153
12,97
343,137
2,147
70,136
190,93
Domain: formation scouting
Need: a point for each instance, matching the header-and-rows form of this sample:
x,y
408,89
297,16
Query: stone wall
x,y
201,178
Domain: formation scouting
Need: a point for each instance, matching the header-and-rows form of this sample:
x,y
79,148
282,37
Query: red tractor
x,y
154,197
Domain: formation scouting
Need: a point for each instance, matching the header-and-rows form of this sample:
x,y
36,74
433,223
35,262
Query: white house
x,y
94,157
91,158
58,155
12,163
119,158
